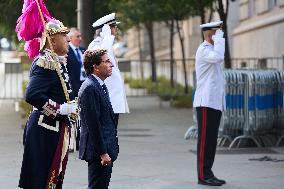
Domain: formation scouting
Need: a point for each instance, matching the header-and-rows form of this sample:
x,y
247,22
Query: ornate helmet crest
x,y
35,24
52,28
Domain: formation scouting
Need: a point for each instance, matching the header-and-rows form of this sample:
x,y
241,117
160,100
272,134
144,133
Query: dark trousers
x,y
116,118
208,120
98,175
78,138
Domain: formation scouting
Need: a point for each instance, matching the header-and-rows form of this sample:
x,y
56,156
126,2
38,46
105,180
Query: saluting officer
x,y
47,131
106,29
209,99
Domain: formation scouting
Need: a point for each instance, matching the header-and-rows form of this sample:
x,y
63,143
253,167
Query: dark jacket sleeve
x,y
38,89
90,109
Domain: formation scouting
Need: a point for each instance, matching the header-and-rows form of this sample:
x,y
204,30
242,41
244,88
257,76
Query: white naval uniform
x,y
210,88
114,83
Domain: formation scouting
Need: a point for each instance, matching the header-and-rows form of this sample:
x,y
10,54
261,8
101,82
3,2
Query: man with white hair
x,y
74,60
76,74
106,28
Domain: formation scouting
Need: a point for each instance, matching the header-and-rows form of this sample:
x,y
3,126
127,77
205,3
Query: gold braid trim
x,y
47,60
53,31
51,184
46,64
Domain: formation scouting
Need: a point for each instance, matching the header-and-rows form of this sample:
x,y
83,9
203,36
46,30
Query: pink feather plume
x,y
30,27
32,47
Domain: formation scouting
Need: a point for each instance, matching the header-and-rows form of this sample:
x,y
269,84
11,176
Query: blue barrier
x,y
254,104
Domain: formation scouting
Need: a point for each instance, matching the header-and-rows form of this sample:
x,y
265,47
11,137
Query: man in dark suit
x,y
98,139
75,67
76,74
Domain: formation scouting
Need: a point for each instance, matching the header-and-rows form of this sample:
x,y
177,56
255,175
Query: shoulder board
x,y
46,64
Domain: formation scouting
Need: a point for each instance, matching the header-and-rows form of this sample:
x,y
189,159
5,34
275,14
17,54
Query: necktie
x,y
105,90
78,55
83,74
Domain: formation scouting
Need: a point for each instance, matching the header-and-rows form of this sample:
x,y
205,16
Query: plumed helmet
x,y
52,28
31,28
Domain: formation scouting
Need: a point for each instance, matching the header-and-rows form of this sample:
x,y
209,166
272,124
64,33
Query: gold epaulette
x,y
46,64
47,60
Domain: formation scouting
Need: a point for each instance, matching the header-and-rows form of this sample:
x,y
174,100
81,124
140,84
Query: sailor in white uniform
x,y
209,99
107,30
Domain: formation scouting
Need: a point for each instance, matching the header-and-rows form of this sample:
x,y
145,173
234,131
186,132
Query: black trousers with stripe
x,y
208,121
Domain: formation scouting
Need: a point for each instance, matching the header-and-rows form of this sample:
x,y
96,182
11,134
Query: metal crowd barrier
x,y
192,131
254,107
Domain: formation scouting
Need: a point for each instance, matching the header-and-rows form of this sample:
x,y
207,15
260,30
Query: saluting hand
x,y
106,31
219,34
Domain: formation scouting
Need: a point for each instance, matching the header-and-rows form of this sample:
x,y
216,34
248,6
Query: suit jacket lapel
x,y
73,56
103,94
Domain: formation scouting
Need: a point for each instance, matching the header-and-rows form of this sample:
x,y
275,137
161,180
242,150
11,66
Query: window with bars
x,y
251,8
271,4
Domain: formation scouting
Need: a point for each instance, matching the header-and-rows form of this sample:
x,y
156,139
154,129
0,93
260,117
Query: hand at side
x,y
105,160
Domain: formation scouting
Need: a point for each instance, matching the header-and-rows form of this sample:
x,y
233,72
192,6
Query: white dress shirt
x,y
101,82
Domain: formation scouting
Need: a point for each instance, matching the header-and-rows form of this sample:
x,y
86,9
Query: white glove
x,y
219,34
68,108
106,31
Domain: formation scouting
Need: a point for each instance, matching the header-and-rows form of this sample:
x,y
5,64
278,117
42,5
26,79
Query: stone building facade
x,y
261,28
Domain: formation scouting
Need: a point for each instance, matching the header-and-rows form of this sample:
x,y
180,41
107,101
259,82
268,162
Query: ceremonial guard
x,y
209,99
47,132
106,29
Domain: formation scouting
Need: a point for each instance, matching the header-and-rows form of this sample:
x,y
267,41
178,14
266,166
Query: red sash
x,y
58,166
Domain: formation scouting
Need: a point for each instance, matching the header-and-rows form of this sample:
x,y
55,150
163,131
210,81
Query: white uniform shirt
x,y
210,84
114,83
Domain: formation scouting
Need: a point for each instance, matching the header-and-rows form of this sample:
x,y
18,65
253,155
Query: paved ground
x,y
153,154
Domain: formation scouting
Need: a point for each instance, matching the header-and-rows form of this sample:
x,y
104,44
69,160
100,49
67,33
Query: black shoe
x,y
220,180
210,182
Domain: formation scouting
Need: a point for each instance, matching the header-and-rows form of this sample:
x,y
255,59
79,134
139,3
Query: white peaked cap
x,y
108,19
211,25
